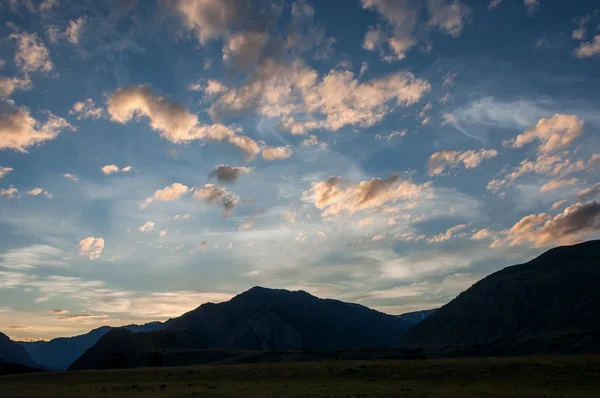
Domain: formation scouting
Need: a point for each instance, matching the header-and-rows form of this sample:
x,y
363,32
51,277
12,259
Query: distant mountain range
x,y
549,305
258,319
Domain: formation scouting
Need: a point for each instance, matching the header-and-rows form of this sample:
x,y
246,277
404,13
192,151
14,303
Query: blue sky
x,y
158,155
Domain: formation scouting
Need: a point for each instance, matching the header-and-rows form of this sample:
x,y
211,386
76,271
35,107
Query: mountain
x,y
258,319
60,353
412,318
9,368
12,352
548,305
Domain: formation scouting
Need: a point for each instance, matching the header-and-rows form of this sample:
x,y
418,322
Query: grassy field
x,y
487,377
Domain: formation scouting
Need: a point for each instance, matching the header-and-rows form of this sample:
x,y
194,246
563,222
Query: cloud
x,y
402,18
440,161
229,174
163,233
449,234
86,110
8,85
174,122
302,102
574,225
390,136
531,5
19,131
277,153
31,54
482,234
558,204
378,237
557,183
38,192
579,34
35,256
113,168
172,192
4,171
555,133
334,197
91,247
10,192
249,223
289,216
364,222
146,227
494,4
214,194
74,30
59,312
588,49
312,141
590,192
71,177
76,317
181,216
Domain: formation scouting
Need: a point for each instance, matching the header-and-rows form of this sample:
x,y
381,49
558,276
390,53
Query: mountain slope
x,y
412,318
548,305
13,353
259,319
270,319
60,353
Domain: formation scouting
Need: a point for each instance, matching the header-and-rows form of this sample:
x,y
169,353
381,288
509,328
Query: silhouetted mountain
x,y
61,352
12,352
259,319
270,319
548,305
412,318
9,368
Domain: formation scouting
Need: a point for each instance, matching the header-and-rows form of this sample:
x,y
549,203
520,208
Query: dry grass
x,y
487,377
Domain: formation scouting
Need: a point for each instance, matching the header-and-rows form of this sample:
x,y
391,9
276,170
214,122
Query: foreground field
x,y
489,377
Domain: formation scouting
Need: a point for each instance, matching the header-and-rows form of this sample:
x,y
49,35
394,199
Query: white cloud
x,y
86,110
174,122
10,192
30,257
588,49
312,141
482,234
71,177
440,161
91,247
558,183
554,133
74,30
449,234
8,85
590,192
277,153
4,171
163,233
390,136
289,216
113,168
38,192
172,192
146,227
182,216
19,131
31,54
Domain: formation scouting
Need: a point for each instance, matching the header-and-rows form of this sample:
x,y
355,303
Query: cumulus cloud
x,y
555,133
86,110
302,102
482,234
31,54
402,19
8,85
229,174
163,233
588,49
440,161
71,177
91,247
334,197
38,192
4,171
312,141
277,153
449,234
378,237
590,192
19,131
574,225
10,192
558,183
214,194
172,120
172,192
146,227
558,204
74,30
113,168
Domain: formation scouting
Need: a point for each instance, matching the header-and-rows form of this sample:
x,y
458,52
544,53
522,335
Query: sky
x,y
156,155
